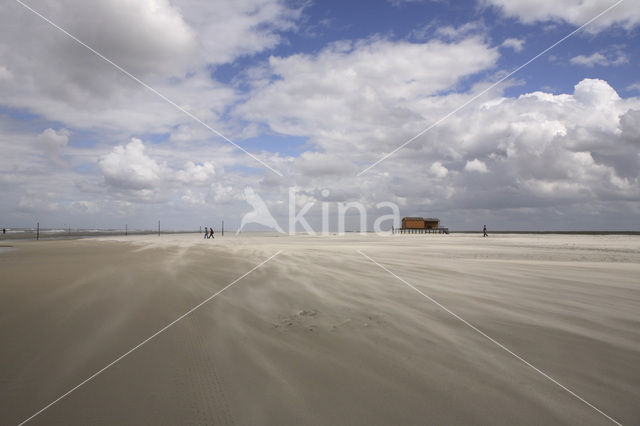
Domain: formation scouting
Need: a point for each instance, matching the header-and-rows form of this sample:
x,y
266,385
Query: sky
x,y
306,96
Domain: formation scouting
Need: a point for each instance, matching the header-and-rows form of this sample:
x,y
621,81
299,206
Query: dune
x,y
320,334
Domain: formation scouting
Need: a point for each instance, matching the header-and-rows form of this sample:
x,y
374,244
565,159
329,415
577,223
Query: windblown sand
x,y
320,334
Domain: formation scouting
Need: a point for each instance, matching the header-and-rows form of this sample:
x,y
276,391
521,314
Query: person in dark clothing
x,y
206,232
211,233
484,231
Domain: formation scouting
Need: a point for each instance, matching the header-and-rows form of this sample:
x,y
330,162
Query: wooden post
x,y
38,231
158,228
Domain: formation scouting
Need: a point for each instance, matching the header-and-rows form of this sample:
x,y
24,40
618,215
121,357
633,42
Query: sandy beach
x,y
320,334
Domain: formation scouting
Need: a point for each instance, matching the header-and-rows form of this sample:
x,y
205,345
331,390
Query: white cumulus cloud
x,y
476,165
514,43
600,59
128,167
196,173
577,12
353,95
438,170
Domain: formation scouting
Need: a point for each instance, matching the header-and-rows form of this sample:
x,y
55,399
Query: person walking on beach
x,y
484,231
206,232
211,233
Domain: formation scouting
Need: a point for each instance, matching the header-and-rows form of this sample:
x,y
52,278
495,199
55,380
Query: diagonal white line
x,y
489,88
136,79
163,329
500,345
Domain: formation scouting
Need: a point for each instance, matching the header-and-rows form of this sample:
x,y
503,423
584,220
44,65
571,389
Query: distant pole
x,y
126,229
223,228
69,230
38,231
158,228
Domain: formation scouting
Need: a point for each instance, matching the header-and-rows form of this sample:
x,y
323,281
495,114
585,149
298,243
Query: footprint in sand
x,y
311,320
304,318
